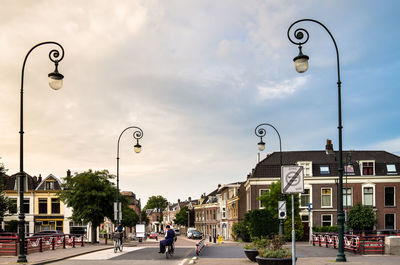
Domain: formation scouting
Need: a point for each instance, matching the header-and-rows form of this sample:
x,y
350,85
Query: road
x,y
146,252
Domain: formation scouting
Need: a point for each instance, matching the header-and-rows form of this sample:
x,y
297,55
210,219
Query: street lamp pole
x,y
55,82
137,134
301,65
261,132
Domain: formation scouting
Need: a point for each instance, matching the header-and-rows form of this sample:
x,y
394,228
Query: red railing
x,y
9,244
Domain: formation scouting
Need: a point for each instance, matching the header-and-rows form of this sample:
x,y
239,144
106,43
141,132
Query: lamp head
x,y
137,148
261,145
56,79
301,62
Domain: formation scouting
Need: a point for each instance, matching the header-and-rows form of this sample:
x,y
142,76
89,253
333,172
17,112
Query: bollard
x,y
40,245
209,239
53,245
73,241
64,241
105,239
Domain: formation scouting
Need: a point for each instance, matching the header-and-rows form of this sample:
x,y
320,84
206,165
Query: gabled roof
x,y
9,182
270,166
51,177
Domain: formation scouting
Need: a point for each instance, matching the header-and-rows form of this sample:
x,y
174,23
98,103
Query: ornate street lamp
x,y
261,132
137,134
55,82
301,65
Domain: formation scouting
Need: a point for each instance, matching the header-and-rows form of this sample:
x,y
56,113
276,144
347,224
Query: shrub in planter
x,y
274,253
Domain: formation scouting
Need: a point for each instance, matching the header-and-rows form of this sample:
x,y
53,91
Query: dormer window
x,y
307,167
49,185
349,170
367,168
391,169
324,170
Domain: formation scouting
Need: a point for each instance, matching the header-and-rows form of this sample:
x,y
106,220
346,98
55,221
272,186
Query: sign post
x,y
292,181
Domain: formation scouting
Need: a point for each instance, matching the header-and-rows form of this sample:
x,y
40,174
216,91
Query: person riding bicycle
x,y
169,239
120,229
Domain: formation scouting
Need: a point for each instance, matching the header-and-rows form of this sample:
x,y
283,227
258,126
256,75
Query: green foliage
x,y
333,229
91,196
239,231
260,223
156,202
144,218
129,217
272,248
181,218
12,226
4,202
298,226
279,253
361,217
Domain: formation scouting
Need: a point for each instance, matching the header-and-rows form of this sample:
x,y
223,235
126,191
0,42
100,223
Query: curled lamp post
x,y
261,132
301,64
55,82
137,135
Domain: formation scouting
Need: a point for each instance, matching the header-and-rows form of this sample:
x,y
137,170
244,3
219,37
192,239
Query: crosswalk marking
x,y
106,254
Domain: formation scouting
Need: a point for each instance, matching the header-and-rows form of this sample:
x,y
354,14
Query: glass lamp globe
x,y
301,62
261,146
56,80
137,148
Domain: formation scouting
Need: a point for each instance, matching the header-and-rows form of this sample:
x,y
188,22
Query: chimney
x,y
190,199
68,173
179,200
219,186
40,178
329,147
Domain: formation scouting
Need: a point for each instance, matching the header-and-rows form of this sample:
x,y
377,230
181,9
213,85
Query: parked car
x,y
177,231
189,231
196,235
153,235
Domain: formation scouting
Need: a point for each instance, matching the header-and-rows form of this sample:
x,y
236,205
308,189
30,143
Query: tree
x,y
270,202
260,223
181,218
91,196
144,218
129,217
361,217
4,202
156,202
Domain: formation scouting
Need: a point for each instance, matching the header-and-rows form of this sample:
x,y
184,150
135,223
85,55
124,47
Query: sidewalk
x,y
60,254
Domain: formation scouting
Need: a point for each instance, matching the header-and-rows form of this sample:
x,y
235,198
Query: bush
x,y
326,229
273,248
361,217
298,226
260,223
239,230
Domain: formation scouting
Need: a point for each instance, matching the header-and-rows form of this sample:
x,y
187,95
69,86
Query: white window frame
x,y
362,169
248,199
310,196
369,185
306,165
394,196
324,174
322,221
391,172
330,188
259,194
394,223
352,199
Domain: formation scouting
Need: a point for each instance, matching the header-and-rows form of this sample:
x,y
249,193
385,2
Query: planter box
x,y
274,261
251,254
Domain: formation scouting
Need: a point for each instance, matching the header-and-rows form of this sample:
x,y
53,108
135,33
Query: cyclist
x,y
120,229
169,239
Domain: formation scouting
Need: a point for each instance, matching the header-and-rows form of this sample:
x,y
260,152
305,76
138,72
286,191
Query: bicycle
x,y
118,245
170,249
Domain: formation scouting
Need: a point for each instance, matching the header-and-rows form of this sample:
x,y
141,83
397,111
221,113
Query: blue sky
x,y
197,77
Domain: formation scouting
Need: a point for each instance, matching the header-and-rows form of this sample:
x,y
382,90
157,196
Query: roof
x,y
270,166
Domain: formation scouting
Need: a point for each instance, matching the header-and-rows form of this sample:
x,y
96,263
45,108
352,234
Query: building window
x,y
368,168
389,221
326,197
324,170
307,167
305,198
349,170
347,197
49,185
368,196
304,218
326,220
389,196
223,212
42,206
261,193
55,206
13,208
59,226
248,200
391,169
214,215
26,205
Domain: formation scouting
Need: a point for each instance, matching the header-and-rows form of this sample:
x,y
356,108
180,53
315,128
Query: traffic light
x,y
282,209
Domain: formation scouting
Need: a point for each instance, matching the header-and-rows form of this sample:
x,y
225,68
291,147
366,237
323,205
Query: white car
x,y
189,231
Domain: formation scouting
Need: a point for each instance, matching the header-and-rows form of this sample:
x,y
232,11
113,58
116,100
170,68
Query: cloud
x,y
392,145
282,89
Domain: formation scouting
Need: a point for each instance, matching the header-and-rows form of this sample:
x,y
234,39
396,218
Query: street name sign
x,y
292,179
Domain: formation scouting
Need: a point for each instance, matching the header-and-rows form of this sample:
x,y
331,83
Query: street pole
x,y
293,235
261,132
137,135
55,82
301,64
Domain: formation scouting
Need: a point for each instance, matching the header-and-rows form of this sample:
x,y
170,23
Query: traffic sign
x,y
292,179
282,209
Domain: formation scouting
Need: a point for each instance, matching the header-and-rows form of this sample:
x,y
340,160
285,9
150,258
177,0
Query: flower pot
x,y
274,261
251,254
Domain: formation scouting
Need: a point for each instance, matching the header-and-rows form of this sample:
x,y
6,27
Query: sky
x,y
197,77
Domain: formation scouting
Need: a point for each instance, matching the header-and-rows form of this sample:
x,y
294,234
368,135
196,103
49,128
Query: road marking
x,y
106,254
183,261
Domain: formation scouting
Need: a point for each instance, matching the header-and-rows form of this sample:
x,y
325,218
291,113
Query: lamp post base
x,y
22,259
341,257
